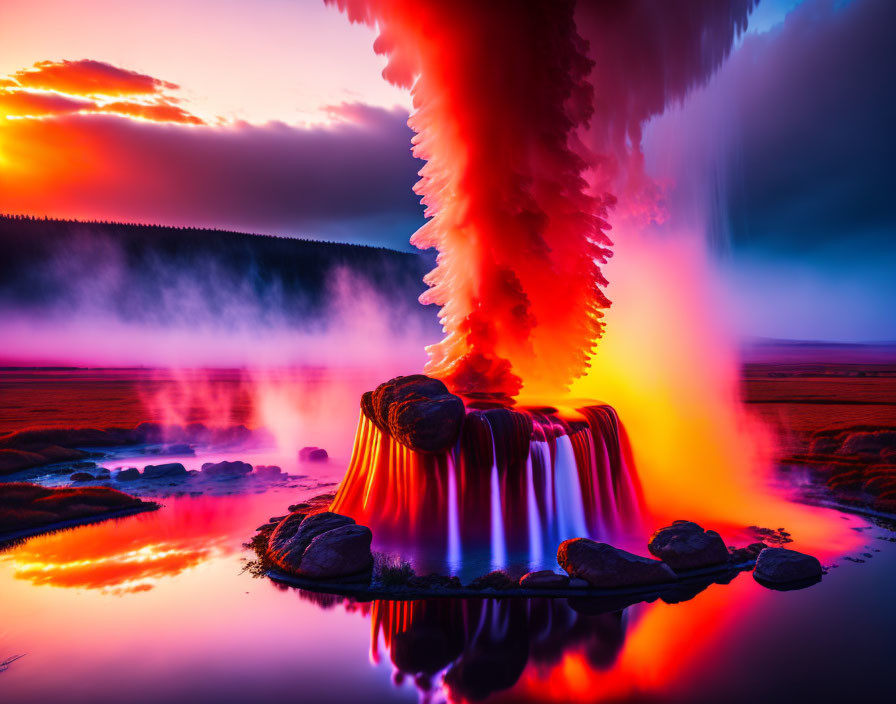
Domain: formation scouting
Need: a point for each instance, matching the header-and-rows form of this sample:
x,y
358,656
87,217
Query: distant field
x,y
804,398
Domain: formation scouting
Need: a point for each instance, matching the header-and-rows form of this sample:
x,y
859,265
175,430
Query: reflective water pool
x,y
155,607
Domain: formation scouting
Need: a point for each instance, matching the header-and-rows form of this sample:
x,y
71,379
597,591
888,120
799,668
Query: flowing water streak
x,y
571,520
535,542
505,490
455,554
499,547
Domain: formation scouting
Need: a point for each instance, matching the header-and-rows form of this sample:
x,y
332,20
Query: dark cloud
x,y
812,149
275,178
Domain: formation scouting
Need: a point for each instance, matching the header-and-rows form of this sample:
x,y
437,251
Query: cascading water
x,y
514,485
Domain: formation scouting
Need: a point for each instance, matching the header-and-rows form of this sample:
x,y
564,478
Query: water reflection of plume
x,y
478,647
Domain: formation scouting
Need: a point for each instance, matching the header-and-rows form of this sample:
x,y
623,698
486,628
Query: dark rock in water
x,y
782,565
294,534
82,477
127,475
268,471
544,579
171,469
602,565
339,552
178,449
686,546
494,580
226,469
313,454
747,554
416,410
434,581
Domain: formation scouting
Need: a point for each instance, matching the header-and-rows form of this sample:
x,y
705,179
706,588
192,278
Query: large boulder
x,y
157,471
416,410
780,565
339,552
686,546
313,454
602,565
268,471
294,534
226,469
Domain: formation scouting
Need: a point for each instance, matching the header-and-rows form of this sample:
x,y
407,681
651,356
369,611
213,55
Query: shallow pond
x,y
155,607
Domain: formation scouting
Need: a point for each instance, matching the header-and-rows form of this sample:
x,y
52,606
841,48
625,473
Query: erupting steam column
x,y
517,206
426,471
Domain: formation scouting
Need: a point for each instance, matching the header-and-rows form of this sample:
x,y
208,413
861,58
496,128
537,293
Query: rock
x,y
339,552
602,565
82,477
783,565
494,580
417,411
747,554
171,469
276,519
226,469
686,546
294,534
313,454
544,579
127,475
577,583
268,471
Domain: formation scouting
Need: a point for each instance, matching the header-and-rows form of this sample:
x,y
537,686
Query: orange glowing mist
x,y
668,366
499,93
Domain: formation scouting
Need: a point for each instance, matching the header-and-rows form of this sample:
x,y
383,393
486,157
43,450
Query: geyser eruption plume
x,y
500,90
529,116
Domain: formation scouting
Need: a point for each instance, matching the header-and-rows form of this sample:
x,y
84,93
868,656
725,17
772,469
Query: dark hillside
x,y
148,273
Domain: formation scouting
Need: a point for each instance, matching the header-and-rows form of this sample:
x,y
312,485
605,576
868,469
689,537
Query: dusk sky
x,y
272,117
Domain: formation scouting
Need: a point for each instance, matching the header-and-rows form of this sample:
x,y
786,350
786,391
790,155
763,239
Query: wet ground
x,y
157,607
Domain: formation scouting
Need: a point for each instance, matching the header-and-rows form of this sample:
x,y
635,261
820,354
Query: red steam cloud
x,y
499,91
506,95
